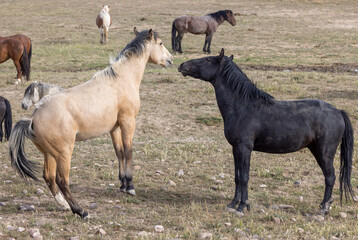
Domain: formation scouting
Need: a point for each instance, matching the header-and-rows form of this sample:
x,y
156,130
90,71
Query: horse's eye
x,y
161,43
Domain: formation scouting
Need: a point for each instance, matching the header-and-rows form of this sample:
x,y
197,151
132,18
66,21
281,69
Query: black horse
x,y
5,115
254,120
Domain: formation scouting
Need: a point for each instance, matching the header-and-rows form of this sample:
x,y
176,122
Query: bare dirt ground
x,y
290,49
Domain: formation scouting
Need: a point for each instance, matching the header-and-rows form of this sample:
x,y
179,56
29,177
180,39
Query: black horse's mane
x,y
217,15
245,91
136,46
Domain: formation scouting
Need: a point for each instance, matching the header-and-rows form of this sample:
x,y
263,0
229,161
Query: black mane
x,y
245,91
136,46
217,15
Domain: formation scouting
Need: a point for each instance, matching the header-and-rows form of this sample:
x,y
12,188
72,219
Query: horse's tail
x,y
19,160
174,31
30,54
8,120
346,160
25,64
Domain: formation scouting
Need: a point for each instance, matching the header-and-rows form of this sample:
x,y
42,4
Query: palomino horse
x,y
254,120
36,91
199,25
5,115
104,21
66,117
26,41
14,49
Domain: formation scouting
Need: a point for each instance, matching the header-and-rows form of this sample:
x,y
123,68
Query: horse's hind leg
x,y
18,69
49,175
101,35
324,157
62,180
105,29
178,39
118,147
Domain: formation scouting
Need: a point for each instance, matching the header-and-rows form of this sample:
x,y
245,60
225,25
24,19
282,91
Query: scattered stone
x,y
275,207
26,207
7,181
297,182
294,219
39,191
300,230
318,218
206,236
262,210
239,214
24,192
98,165
158,172
159,228
197,162
20,229
172,183
284,206
263,186
10,228
222,175
255,236
74,168
93,206
136,167
277,220
213,178
75,238
334,238
219,181
35,233
101,231
239,231
181,173
227,224
143,234
301,199
342,215
2,204
111,185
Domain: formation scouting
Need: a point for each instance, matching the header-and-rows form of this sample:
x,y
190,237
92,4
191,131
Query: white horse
x,y
104,21
109,102
37,91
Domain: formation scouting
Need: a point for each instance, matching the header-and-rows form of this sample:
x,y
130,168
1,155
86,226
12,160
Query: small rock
x,y
318,218
111,185
255,236
262,210
20,229
35,233
213,178
136,167
284,206
143,234
342,214
159,228
101,231
275,207
227,224
27,208
205,235
172,183
197,162
7,181
300,230
75,238
24,192
180,173
294,219
215,188
98,165
239,231
222,175
158,172
263,186
2,204
277,220
297,182
219,181
39,191
301,199
10,228
93,206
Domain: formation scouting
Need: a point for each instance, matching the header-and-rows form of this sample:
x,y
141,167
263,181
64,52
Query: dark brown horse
x,y
5,115
26,41
199,25
14,49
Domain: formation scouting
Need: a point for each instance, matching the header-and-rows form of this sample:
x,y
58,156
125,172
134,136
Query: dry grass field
x,y
290,49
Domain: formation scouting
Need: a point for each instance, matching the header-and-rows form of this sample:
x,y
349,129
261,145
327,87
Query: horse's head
x,y
31,96
158,54
106,8
231,17
206,68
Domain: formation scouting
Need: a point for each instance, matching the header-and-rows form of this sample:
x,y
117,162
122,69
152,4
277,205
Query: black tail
x,y
174,31
346,160
19,160
30,54
25,65
8,120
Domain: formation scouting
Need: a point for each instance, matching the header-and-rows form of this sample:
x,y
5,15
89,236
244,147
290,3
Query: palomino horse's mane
x,y
217,15
245,91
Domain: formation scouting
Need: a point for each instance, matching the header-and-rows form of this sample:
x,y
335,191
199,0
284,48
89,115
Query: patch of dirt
x,y
334,68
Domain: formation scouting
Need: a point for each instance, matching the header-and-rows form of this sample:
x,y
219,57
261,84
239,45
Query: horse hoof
x,y
230,210
85,215
131,192
239,213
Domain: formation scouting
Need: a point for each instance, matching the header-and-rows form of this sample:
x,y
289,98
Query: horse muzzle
x,y
182,70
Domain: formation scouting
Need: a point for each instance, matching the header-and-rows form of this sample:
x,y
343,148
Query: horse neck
x,y
221,20
225,98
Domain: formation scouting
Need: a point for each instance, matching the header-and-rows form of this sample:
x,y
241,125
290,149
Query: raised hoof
x,y
239,213
230,210
131,192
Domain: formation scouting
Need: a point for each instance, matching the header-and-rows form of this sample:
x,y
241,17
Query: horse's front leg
x,y
208,40
242,155
127,126
231,207
119,149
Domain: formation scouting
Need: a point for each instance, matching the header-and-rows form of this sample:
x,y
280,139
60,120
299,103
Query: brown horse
x,y
77,114
5,115
199,25
26,41
103,22
14,49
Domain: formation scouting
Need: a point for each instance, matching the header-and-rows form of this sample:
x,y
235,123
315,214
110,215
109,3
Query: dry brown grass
x,y
178,123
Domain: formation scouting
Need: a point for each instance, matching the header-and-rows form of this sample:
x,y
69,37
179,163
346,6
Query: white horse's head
x,y
106,8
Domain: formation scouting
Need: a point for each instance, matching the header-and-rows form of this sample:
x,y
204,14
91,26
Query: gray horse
x,y
35,91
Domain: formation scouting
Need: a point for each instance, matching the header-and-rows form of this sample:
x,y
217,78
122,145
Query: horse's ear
x,y
135,31
231,57
109,6
221,55
150,33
